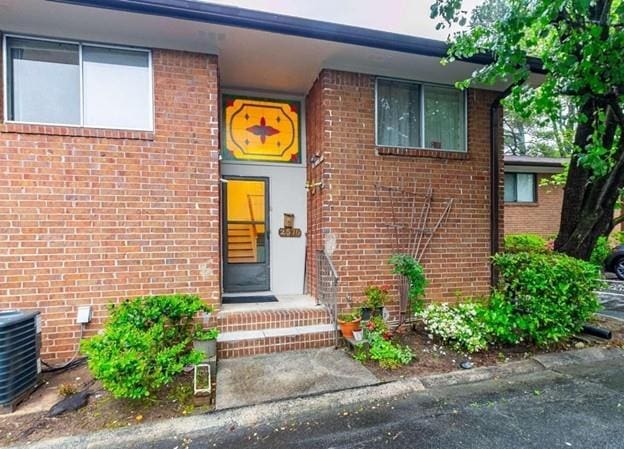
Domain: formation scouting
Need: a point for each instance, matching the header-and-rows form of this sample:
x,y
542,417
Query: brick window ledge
x,y
52,130
521,204
421,152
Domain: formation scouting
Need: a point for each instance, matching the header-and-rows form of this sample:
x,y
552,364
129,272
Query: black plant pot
x,y
367,312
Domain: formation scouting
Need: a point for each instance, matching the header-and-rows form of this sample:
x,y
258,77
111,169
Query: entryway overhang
x,y
257,50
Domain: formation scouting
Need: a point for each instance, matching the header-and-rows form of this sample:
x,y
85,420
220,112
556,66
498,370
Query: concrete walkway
x,y
264,378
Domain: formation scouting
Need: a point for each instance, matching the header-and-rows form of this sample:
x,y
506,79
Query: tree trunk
x,y
589,202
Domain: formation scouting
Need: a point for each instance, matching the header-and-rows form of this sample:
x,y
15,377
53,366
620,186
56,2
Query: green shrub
x,y
542,298
460,326
146,342
407,266
600,252
381,348
530,243
388,354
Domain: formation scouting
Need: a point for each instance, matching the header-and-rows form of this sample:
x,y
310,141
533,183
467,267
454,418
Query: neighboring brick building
x,y
532,207
147,164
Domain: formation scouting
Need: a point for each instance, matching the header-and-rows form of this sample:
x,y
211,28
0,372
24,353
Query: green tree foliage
x,y
535,135
581,45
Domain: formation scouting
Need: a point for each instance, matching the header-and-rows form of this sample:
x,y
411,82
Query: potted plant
x,y
205,341
348,323
376,297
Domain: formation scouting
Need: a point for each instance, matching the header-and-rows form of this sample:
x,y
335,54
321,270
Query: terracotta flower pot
x,y
347,327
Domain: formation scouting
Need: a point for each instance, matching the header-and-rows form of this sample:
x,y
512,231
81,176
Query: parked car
x,y
615,262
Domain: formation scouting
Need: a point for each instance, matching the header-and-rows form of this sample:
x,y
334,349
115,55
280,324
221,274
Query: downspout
x,y
495,176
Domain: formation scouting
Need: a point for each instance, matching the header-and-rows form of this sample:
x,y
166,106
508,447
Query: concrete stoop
x,y
255,332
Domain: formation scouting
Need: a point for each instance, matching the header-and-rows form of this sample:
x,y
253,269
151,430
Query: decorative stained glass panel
x,y
261,130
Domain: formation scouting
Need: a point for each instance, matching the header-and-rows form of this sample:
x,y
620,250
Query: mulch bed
x,y
102,412
105,412
432,357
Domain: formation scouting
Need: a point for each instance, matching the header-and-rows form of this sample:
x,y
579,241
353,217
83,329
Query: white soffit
x,y
248,59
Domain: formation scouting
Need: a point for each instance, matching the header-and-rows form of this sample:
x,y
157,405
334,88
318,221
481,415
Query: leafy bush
x,y
530,243
461,326
543,298
146,342
407,266
600,252
382,349
388,354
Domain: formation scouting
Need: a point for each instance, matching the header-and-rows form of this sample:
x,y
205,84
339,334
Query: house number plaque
x,y
288,230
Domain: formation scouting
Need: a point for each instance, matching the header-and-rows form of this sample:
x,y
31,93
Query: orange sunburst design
x,y
261,130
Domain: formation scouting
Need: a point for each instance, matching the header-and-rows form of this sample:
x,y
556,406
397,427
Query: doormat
x,y
247,299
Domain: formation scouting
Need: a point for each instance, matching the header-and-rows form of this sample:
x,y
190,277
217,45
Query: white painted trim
x,y
80,45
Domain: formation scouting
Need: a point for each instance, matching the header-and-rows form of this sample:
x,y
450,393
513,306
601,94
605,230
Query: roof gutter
x,y
528,163
288,25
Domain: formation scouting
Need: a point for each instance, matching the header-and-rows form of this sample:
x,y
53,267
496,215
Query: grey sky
x,y
400,16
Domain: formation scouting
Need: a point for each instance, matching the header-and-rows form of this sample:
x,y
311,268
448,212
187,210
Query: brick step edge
x,y
307,337
233,321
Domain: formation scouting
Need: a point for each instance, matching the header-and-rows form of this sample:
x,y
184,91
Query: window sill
x,y
52,130
422,152
521,204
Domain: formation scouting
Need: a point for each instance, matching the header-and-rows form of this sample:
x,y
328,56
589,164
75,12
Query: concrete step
x,y
266,341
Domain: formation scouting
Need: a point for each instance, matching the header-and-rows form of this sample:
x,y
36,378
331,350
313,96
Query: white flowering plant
x,y
460,326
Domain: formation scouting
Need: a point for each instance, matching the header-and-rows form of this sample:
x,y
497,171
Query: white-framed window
x,y
67,83
420,115
520,188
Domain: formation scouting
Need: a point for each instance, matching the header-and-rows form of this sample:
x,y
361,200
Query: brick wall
x,y
95,216
315,120
540,218
357,213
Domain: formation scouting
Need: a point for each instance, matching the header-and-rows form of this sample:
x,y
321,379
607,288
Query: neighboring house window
x,y
416,115
67,83
520,188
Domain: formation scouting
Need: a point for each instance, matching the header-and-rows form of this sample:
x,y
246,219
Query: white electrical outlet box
x,y
84,315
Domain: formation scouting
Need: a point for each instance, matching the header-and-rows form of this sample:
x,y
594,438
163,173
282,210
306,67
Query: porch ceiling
x,y
248,58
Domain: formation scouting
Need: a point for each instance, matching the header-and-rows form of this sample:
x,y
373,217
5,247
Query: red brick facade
x,y
541,217
354,210
92,216
95,216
